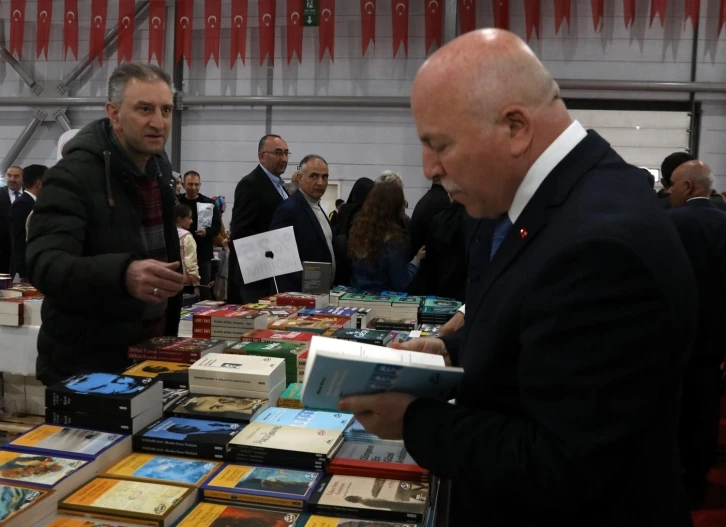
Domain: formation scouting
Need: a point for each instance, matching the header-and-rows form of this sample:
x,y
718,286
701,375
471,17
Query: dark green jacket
x,y
84,233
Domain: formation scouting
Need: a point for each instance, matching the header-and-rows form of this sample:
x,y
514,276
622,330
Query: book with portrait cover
x,y
219,408
65,441
175,349
214,514
104,393
171,374
23,505
170,396
162,469
131,501
61,474
180,436
374,498
265,486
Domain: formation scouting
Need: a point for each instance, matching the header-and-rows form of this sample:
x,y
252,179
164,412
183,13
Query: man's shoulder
x,y
204,199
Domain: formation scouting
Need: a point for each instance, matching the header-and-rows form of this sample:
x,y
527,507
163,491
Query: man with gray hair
x,y
701,226
103,245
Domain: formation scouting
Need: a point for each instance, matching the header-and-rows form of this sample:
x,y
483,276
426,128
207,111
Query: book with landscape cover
x,y
171,374
104,422
65,441
374,498
61,474
378,461
214,514
219,408
305,418
175,349
131,501
180,436
265,486
162,469
24,505
286,441
104,393
338,368
238,372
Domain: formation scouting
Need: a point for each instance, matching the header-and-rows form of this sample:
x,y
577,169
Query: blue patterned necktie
x,y
500,232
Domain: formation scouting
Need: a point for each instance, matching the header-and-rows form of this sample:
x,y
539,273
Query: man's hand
x,y
201,233
425,345
153,281
380,414
453,325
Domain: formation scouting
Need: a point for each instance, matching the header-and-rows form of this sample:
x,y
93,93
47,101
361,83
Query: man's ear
x,y
519,121
112,112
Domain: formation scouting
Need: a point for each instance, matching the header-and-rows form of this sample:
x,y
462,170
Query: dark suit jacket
x,y
434,201
5,239
296,212
19,212
702,228
255,201
576,339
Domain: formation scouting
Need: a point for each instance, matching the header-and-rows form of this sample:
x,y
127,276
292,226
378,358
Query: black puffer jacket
x,y
84,233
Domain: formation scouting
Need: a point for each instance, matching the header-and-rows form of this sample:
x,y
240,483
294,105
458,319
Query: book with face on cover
x,y
171,374
130,501
219,408
61,474
180,436
24,506
216,515
162,469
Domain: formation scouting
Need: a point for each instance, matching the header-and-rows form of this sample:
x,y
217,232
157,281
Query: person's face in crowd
x,y
142,121
14,179
185,223
274,156
192,185
179,187
313,178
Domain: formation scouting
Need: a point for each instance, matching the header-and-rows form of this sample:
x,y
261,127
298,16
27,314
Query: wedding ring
x,y
156,290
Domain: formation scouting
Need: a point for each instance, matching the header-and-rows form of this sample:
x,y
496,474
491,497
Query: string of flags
x,y
299,14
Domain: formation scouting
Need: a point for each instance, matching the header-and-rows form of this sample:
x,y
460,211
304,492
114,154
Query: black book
x,y
236,456
218,408
187,437
104,423
104,393
316,278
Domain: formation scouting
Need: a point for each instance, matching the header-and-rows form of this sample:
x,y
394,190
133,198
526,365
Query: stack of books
x,y
364,336
339,421
393,324
355,317
339,290
25,505
239,376
290,398
377,460
32,311
405,306
175,349
104,401
438,310
227,324
218,408
299,300
186,323
170,374
268,335
6,281
308,324
12,312
180,436
287,351
155,468
273,312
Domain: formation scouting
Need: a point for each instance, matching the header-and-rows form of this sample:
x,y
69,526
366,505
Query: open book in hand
x,y
338,368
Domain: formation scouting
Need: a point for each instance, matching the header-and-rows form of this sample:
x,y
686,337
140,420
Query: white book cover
x,y
244,371
338,368
291,438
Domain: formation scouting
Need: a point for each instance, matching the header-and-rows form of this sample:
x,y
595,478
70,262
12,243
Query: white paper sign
x,y
269,254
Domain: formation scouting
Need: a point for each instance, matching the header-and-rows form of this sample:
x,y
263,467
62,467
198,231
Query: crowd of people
x,y
590,343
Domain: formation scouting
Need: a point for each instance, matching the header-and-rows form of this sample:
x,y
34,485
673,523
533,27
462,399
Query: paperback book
x,y
306,418
287,351
214,514
219,408
106,423
61,474
171,374
268,335
187,437
162,469
378,461
260,374
175,349
365,336
22,505
290,398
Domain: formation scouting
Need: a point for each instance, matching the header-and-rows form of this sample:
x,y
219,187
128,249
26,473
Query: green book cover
x,y
288,351
292,392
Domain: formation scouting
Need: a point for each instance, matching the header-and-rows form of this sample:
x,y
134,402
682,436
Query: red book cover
x,y
376,460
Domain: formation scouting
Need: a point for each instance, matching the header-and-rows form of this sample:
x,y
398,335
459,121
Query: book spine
x,y
235,497
319,466
201,332
239,381
106,517
93,421
369,513
182,357
261,450
178,448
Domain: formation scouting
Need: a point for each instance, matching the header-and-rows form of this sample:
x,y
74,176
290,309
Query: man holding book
x,y
576,331
103,245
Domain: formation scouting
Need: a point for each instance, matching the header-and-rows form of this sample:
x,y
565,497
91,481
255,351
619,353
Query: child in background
x,y
188,246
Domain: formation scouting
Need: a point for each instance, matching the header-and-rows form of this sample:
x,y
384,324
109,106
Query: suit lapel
x,y
311,215
551,193
269,187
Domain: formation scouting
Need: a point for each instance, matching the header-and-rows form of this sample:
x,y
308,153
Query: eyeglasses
x,y
277,152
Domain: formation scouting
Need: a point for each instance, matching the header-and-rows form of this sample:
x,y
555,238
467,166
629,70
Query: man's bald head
x,y
692,179
485,109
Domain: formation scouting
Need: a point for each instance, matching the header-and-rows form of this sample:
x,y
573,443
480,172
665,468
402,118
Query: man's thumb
x,y
172,265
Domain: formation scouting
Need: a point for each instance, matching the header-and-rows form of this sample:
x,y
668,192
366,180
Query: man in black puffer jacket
x,y
103,245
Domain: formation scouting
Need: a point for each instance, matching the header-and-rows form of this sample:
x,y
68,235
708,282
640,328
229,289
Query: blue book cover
x,y
14,499
306,418
157,468
191,430
337,368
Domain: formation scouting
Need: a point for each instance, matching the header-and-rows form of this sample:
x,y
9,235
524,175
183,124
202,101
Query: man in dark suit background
x,y
578,327
302,212
668,167
8,194
434,201
20,210
702,228
255,199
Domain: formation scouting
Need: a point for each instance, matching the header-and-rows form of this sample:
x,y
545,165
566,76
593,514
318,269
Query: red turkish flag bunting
x,y
368,23
42,37
598,6
399,9
125,30
433,19
501,14
157,12
70,28
295,29
99,9
184,22
239,31
531,17
467,15
629,12
658,7
693,10
212,21
266,15
17,26
562,12
327,28
722,16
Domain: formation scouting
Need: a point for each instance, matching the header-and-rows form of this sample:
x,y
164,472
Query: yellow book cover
x,y
63,439
159,469
206,514
135,499
152,368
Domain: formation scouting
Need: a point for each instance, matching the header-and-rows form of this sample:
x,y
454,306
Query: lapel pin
x,y
523,233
